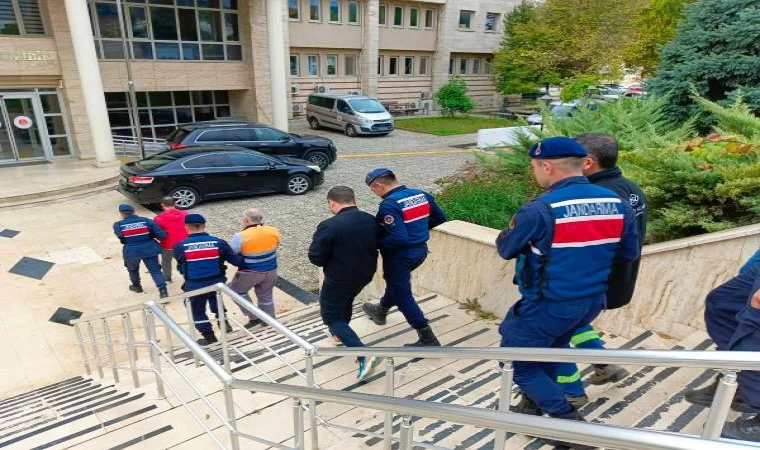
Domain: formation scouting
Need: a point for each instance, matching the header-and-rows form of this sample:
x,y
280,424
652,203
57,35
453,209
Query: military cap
x,y
374,174
194,218
557,147
126,208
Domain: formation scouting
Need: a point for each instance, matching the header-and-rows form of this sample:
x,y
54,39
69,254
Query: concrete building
x,y
64,82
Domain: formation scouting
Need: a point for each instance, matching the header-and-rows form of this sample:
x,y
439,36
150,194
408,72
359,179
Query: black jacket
x,y
622,279
346,246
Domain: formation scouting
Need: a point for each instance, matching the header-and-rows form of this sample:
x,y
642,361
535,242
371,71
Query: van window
x,y
327,102
367,106
343,107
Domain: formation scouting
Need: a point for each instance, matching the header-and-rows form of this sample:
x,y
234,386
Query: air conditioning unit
x,y
354,93
298,108
321,89
426,95
427,105
294,90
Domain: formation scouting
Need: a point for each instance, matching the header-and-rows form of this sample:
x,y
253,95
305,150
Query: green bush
x,y
452,97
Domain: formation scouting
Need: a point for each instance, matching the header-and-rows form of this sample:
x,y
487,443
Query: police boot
x,y
162,292
376,312
572,415
743,429
526,406
609,373
426,339
208,339
705,396
136,288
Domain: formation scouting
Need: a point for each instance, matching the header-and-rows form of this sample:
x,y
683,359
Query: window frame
x,y
318,4
432,18
380,65
495,22
327,65
330,4
475,66
461,72
297,57
417,25
409,64
426,65
403,13
308,65
470,25
487,66
354,65
19,18
298,11
382,13
358,20
390,65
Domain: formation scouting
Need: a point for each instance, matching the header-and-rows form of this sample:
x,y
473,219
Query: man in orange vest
x,y
257,244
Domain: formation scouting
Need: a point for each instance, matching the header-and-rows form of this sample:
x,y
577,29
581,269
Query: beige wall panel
x,y
406,39
325,35
24,48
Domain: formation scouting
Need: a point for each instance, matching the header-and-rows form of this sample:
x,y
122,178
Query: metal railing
x,y
305,398
128,147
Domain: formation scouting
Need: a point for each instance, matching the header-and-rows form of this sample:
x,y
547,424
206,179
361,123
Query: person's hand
x,y
755,300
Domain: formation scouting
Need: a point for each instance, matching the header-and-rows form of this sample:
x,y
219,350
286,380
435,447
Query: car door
x,y
262,174
213,174
275,142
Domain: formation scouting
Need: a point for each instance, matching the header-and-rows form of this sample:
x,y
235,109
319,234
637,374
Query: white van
x,y
352,114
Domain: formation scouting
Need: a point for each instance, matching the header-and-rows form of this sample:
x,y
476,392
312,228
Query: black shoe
x,y
572,415
228,327
376,312
704,397
426,339
253,322
136,288
743,429
526,406
162,292
207,339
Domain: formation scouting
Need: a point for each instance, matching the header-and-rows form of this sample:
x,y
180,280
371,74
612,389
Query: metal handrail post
x,y
191,326
228,400
505,394
154,356
407,433
390,374
129,339
229,404
312,404
222,320
82,349
298,432
95,351
147,333
169,340
109,346
720,406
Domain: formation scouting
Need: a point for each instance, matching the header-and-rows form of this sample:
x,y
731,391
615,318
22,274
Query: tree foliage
x,y
651,28
452,97
716,50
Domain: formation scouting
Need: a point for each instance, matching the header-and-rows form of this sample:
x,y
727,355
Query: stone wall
x,y
674,279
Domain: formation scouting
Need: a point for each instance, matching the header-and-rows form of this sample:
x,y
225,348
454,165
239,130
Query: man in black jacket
x,y
345,246
600,167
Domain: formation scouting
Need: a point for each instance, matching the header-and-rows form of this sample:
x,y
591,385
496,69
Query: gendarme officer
x,y
201,259
565,242
139,234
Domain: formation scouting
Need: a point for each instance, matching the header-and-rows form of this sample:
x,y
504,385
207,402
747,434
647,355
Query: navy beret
x,y
557,147
126,208
379,172
194,218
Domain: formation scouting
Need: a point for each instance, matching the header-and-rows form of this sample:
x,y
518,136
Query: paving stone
x,y
32,267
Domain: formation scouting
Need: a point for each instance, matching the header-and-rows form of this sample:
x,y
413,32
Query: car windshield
x,y
156,161
367,106
562,110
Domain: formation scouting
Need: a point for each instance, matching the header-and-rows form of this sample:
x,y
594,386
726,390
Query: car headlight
x,y
367,122
316,168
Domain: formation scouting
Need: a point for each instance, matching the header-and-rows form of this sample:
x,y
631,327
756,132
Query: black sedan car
x,y
193,174
253,136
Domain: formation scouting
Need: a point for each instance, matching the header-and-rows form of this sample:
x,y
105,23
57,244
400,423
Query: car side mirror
x,y
286,139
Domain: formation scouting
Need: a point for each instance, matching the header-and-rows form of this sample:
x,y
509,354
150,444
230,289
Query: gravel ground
x,y
298,216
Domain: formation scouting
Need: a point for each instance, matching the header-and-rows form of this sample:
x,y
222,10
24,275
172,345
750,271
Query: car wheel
x,y
350,131
185,197
314,123
319,158
298,184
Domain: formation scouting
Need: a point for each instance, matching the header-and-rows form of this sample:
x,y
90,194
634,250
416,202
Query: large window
x,y
430,18
465,19
160,30
409,65
349,65
21,17
57,128
332,65
313,65
476,66
463,66
161,112
334,11
294,9
398,16
424,65
393,65
382,14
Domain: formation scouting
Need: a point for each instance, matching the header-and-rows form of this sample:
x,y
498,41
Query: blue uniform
x,y
201,260
139,234
565,242
405,217
735,325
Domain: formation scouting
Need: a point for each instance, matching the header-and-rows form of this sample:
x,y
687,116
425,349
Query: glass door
x,y
22,129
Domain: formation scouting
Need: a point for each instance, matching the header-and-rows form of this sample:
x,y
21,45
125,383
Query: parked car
x,y
560,110
352,114
262,138
194,174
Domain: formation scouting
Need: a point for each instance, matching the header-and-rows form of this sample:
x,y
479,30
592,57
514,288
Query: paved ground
x,y
417,159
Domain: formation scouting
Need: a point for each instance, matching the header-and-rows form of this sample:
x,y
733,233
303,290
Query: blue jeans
x,y
545,324
336,305
198,306
397,272
133,267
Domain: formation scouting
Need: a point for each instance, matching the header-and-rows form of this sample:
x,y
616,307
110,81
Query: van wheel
x,y
185,197
350,131
314,123
319,158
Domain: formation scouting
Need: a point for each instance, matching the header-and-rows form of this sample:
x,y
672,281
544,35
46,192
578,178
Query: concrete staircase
x,y
94,413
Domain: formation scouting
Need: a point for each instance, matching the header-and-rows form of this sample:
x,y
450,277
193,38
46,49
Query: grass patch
x,y
472,306
447,126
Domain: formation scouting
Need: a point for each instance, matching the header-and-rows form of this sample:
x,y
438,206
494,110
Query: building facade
x,y
64,79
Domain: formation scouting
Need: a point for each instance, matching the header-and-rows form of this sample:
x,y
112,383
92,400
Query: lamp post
x,y
130,82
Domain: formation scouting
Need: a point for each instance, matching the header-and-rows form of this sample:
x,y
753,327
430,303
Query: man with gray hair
x,y
258,244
